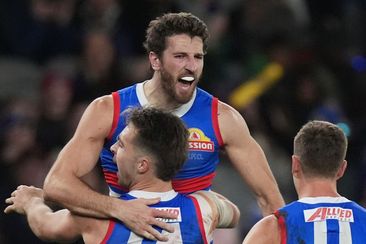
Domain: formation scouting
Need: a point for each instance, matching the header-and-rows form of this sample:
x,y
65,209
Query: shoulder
x,y
102,103
91,229
231,123
260,231
101,106
97,118
228,114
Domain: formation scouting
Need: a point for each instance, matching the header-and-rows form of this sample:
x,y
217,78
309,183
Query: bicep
x,y
243,151
80,154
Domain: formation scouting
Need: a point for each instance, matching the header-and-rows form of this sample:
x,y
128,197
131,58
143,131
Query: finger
x,y
13,193
163,225
149,236
21,187
9,200
9,209
155,235
164,214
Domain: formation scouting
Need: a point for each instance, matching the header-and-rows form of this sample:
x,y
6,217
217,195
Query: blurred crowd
x,y
279,62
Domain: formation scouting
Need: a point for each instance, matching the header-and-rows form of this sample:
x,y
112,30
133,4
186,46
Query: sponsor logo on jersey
x,y
198,141
323,213
171,210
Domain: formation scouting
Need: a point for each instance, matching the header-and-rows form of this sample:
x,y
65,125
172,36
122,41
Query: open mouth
x,y
187,80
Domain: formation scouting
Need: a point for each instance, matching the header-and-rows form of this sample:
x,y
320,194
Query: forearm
x,y
262,182
72,193
253,168
36,212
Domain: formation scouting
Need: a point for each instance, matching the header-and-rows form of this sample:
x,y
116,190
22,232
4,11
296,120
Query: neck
x,y
318,188
157,96
152,185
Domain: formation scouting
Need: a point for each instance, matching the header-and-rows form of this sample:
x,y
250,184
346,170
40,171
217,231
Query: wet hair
x,y
162,135
174,24
321,147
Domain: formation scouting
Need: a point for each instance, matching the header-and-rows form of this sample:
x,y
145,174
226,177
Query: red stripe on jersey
x,y
112,179
282,225
215,120
199,217
193,184
109,232
116,112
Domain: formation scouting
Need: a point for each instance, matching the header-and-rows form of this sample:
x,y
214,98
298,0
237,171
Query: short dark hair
x,y
164,136
174,24
321,147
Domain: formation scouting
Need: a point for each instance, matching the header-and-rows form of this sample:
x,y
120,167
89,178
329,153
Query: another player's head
x,y
153,141
321,149
176,44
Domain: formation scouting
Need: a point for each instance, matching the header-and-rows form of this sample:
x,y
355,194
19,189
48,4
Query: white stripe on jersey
x,y
345,236
320,232
134,239
175,237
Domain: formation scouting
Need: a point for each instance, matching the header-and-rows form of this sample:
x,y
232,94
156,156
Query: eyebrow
x,y
118,139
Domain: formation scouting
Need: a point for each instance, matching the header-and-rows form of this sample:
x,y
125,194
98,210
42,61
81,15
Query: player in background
x,y
321,215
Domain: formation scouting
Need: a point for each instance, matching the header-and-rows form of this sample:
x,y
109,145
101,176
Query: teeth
x,y
187,78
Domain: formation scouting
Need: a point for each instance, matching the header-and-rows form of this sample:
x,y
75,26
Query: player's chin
x,y
183,98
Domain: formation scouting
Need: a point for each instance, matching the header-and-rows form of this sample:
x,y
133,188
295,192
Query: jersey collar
x,y
182,110
314,200
164,196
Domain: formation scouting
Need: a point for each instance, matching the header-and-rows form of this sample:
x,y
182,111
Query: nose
x,y
113,148
191,64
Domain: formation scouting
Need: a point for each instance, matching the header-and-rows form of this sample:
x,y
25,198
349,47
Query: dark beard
x,y
168,85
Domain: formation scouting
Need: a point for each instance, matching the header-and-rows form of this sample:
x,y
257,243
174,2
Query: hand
x,y
21,197
140,218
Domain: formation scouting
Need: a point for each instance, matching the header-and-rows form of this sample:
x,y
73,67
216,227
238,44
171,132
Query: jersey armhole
x,y
109,232
215,120
116,112
282,225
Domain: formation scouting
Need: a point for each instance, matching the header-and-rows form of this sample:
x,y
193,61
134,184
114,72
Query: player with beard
x,y
176,44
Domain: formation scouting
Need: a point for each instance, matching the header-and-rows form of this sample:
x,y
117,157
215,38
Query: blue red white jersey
x,y
193,224
322,220
200,117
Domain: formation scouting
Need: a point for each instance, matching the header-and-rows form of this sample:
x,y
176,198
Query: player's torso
x,y
323,220
200,117
188,226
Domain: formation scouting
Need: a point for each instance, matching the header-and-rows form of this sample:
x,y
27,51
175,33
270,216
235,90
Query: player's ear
x,y
341,169
154,61
143,165
296,166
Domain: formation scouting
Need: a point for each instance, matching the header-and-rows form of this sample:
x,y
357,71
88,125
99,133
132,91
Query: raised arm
x,y
63,183
46,225
248,158
64,186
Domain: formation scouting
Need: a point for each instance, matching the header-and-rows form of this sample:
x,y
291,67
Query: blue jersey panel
x,y
324,222
188,225
198,172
